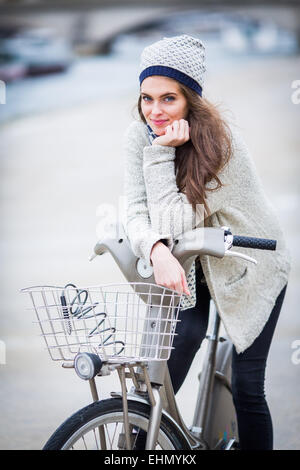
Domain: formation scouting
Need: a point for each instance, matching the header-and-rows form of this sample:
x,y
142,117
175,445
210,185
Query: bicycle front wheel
x,y
99,426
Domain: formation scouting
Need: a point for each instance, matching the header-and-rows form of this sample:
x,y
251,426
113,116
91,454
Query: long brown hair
x,y
199,160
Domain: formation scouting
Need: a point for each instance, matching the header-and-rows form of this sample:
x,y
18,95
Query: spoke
x,y
123,432
116,427
98,448
108,435
84,442
113,430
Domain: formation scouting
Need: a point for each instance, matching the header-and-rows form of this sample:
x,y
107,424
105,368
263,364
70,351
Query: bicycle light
x,y
87,365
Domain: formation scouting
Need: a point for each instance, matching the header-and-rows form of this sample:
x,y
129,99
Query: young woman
x,y
186,167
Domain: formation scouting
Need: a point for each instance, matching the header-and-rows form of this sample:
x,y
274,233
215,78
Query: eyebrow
x,y
161,96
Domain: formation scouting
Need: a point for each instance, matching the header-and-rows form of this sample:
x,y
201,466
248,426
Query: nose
x,y
156,108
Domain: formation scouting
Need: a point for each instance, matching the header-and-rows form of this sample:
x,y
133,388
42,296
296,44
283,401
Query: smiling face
x,y
162,102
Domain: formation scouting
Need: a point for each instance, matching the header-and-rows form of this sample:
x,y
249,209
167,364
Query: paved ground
x,y
56,169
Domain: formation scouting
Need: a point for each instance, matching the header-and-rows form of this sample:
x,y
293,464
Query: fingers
x,y
176,133
170,274
178,126
180,129
169,129
187,131
182,286
175,126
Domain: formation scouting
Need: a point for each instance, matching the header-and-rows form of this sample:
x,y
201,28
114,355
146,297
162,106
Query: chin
x,y
159,132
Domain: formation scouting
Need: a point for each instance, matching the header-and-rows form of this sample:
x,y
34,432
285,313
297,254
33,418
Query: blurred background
x,y
68,89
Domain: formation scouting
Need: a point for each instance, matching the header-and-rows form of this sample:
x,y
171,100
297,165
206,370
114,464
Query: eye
x,y
146,98
171,98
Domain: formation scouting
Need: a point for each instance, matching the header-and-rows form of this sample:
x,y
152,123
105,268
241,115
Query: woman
x,y
186,167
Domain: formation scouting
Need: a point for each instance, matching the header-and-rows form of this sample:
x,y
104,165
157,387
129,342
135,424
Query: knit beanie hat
x,y
180,57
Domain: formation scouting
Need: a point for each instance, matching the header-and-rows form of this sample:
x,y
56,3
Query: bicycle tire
x,y
110,411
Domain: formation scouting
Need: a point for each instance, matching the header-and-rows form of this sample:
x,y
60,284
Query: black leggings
x,y
248,368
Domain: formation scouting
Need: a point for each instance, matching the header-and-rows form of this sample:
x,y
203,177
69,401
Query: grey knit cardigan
x,y
244,293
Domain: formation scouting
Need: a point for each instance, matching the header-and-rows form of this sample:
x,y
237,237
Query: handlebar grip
x,y
252,242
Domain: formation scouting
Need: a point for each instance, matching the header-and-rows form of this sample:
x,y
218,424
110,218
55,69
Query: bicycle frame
x,y
158,375
214,422
157,379
162,399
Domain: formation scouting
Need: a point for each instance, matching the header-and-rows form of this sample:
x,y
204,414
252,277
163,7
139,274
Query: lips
x,y
159,122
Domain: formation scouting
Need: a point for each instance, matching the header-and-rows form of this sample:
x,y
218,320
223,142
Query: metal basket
x,y
118,322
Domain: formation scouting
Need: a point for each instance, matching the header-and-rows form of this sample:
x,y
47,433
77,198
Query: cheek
x,y
183,111
145,109
180,112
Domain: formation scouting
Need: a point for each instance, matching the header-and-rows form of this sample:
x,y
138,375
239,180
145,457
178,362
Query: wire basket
x,y
118,322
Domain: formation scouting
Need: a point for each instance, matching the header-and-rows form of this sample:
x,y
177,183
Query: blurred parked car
x,y
33,52
11,69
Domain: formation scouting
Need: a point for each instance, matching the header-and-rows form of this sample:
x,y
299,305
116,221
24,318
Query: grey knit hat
x,y
180,57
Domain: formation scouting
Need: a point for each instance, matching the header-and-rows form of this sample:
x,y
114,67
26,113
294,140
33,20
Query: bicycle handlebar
x,y
252,242
213,241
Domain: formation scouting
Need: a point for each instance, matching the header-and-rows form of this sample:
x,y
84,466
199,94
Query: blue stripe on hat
x,y
172,73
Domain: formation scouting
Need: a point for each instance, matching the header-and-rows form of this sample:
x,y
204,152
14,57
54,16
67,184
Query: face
x,y
162,102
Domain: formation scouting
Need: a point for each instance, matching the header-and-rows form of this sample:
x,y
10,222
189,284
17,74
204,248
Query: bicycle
x,y
129,327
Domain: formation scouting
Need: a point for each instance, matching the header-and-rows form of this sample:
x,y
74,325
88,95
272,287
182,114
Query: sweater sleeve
x,y
137,224
156,209
169,209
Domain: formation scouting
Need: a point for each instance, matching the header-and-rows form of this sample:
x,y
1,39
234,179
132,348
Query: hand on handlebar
x,y
168,272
